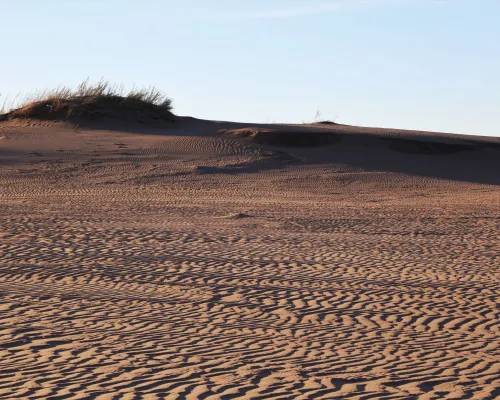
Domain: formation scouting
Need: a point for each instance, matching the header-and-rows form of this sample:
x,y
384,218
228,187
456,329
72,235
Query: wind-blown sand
x,y
196,261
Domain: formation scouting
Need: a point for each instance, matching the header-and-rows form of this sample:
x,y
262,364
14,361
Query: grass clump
x,y
94,100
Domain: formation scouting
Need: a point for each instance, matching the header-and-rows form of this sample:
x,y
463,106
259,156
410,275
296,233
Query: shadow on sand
x,y
449,157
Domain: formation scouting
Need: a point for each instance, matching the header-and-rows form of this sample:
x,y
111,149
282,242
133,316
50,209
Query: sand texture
x,y
214,260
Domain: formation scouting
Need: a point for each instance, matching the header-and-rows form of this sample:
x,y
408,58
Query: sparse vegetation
x,y
317,119
5,104
91,100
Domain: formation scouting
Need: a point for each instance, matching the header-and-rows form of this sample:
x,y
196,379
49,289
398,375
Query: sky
x,y
414,64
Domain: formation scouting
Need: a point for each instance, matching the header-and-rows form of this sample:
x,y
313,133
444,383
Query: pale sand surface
x,y
181,264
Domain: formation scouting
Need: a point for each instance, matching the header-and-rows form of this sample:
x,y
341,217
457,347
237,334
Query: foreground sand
x,y
193,266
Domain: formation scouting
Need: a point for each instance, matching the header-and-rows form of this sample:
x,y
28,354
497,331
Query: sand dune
x,y
217,260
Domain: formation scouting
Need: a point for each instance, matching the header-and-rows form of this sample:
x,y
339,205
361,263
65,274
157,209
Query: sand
x,y
189,262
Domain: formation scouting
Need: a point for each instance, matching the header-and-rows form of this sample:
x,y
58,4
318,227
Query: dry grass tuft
x,y
93,100
326,122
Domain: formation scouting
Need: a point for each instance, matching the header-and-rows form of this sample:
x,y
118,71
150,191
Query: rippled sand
x,y
190,265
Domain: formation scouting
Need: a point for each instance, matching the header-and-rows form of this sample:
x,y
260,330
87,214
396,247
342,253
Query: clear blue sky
x,y
422,64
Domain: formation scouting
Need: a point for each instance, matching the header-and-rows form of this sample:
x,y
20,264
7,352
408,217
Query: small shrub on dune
x,y
94,100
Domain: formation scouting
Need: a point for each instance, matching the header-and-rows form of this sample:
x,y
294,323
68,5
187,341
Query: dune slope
x,y
217,260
